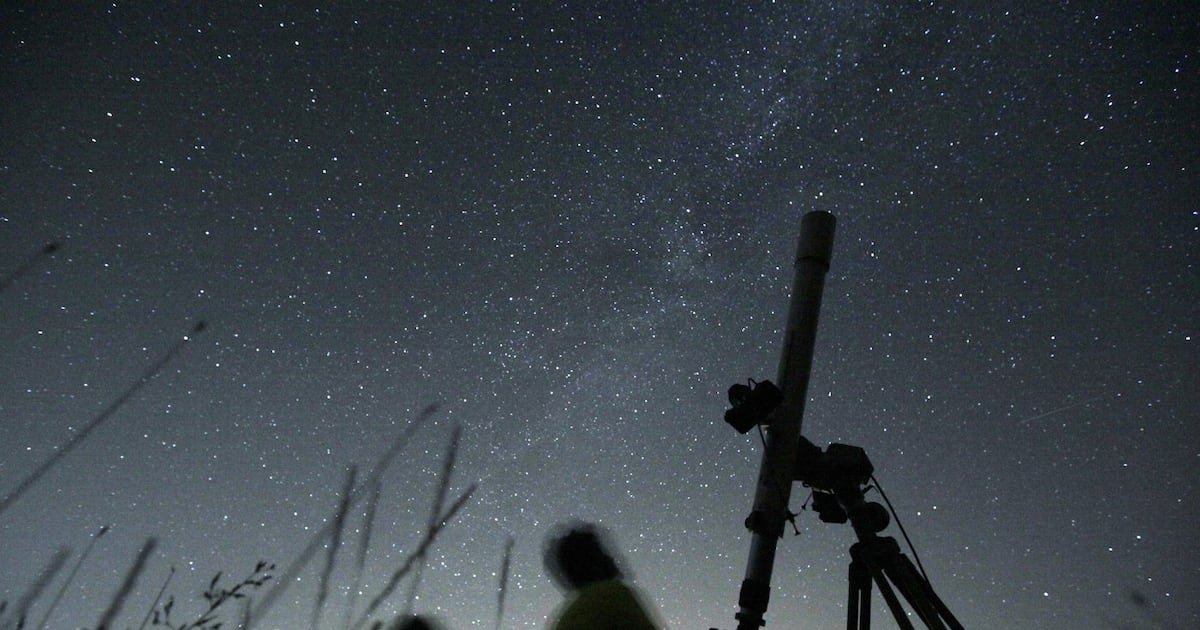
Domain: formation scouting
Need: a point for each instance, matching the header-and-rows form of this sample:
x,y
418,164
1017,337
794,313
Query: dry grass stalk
x,y
104,415
21,610
301,561
439,500
339,524
28,265
157,598
409,562
118,600
71,576
216,596
364,544
502,591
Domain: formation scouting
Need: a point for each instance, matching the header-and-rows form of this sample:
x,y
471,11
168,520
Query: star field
x,y
572,226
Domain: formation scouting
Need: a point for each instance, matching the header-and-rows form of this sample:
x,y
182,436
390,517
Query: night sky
x,y
572,226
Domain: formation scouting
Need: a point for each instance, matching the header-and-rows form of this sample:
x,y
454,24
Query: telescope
x,y
839,476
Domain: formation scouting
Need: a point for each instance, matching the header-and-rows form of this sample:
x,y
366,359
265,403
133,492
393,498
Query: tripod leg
x,y
951,620
889,596
852,601
858,608
912,592
864,554
921,595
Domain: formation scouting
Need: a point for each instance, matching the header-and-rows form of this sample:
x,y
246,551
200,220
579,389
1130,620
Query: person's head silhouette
x,y
414,622
578,556
579,560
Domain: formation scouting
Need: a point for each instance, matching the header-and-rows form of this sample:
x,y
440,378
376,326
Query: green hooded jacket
x,y
604,605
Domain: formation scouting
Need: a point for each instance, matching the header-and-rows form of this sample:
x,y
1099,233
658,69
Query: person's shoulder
x,y
607,587
616,601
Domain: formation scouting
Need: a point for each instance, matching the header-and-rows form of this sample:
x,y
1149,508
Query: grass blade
x,y
29,264
71,576
301,561
502,591
339,523
439,500
43,580
409,562
364,544
131,577
157,598
104,415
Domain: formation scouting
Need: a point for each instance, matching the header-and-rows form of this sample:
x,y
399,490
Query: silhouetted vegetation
x,y
216,596
244,604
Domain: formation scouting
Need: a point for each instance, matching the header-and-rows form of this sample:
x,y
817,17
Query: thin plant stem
x,y
364,544
502,591
131,577
104,415
411,560
339,524
382,464
43,580
439,500
29,264
157,598
71,576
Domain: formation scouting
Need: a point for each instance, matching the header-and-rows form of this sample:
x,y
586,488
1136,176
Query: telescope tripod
x,y
878,559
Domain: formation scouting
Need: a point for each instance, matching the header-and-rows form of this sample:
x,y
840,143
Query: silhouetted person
x,y
597,596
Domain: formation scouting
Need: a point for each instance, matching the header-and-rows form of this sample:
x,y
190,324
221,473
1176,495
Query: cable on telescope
x,y
896,517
